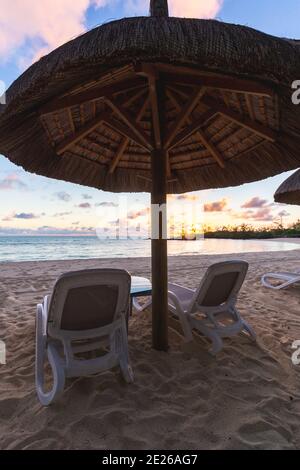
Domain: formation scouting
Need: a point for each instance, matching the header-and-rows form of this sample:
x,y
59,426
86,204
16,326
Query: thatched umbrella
x,y
289,191
158,104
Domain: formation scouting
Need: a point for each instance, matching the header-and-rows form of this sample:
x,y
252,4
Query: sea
x,y
42,248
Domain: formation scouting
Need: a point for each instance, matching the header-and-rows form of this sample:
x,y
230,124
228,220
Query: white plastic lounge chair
x,y
211,309
86,311
286,279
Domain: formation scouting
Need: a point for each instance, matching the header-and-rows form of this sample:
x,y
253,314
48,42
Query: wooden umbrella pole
x,y
159,252
159,215
159,8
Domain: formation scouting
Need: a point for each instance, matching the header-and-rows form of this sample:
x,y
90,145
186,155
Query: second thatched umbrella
x,y
158,104
289,191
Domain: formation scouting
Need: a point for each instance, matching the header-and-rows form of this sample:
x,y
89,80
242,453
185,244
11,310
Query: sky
x,y
35,205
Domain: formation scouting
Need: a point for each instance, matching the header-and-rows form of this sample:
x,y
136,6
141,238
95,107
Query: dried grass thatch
x,y
63,119
289,191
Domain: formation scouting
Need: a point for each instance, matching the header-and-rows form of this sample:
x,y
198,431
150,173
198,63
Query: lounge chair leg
x,y
127,372
249,331
217,345
121,347
46,398
140,308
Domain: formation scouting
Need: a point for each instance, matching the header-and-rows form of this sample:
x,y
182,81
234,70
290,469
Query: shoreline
x,y
296,241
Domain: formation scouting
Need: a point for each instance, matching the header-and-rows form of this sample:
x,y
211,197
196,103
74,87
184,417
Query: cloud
x,y
46,230
62,214
63,196
187,197
50,230
87,197
84,205
138,214
106,204
26,216
255,203
263,214
22,216
37,27
12,182
217,206
195,8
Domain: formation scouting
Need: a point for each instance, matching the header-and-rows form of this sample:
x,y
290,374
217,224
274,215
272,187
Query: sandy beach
x,y
246,398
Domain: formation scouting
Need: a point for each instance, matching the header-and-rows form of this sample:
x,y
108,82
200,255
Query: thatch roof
x,y
289,191
70,115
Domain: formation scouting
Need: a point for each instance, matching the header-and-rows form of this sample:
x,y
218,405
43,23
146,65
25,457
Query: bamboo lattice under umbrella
x,y
158,104
289,191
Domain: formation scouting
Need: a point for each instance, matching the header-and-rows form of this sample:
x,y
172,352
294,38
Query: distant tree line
x,y
246,231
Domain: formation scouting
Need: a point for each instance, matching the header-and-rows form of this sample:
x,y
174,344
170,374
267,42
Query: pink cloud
x,y
44,25
263,214
84,205
187,197
255,203
217,206
12,182
195,8
137,214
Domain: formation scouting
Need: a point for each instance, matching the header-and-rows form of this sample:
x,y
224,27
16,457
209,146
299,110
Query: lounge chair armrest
x,y
176,302
183,317
42,317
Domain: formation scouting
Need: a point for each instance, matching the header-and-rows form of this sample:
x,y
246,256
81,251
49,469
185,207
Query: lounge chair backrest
x,y
90,299
220,284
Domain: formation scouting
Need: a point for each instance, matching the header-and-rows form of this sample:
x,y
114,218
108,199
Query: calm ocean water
x,y
56,248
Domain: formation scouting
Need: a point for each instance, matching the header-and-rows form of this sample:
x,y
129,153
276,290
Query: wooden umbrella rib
x,y
184,114
146,178
80,134
173,100
129,121
150,72
192,128
203,139
179,92
211,148
135,97
236,97
89,95
250,107
259,129
124,131
222,82
71,120
155,111
125,141
92,125
120,152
